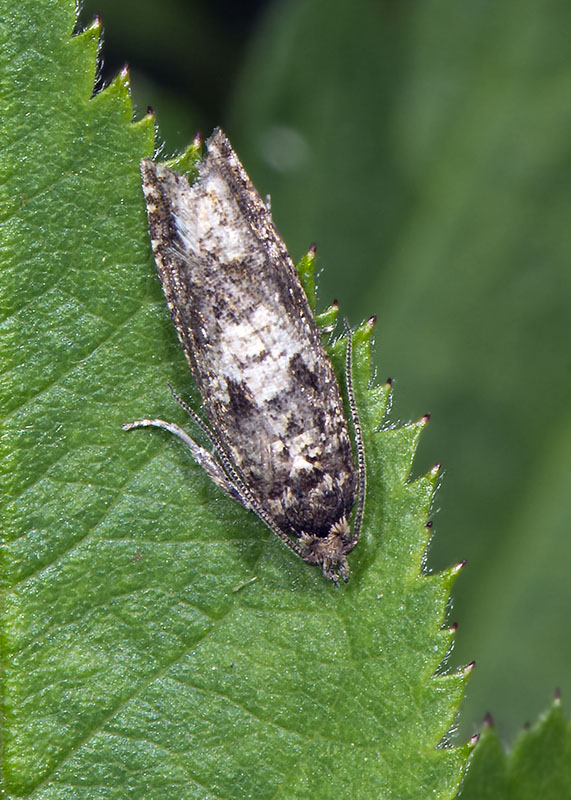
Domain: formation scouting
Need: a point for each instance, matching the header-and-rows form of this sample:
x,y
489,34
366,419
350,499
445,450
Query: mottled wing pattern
x,y
246,328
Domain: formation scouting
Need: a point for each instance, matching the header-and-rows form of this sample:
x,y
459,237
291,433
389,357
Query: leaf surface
x,y
157,640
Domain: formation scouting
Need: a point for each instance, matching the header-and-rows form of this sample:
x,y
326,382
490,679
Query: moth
x,y
276,422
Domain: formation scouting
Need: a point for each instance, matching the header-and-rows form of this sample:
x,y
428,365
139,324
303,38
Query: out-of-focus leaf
x,y
539,765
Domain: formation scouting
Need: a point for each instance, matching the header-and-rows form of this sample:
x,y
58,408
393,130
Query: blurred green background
x,y
425,146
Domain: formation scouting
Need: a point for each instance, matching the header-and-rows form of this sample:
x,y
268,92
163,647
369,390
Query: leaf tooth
x,y
467,670
488,721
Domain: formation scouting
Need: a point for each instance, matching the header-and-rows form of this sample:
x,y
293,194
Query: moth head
x,y
330,552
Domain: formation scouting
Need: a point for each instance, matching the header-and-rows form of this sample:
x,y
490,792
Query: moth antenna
x,y
358,431
194,416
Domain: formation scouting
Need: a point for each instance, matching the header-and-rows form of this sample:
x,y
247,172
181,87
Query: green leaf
x,y
306,273
157,639
539,764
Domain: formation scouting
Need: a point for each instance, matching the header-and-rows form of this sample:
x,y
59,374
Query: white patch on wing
x,y
243,342
208,220
300,463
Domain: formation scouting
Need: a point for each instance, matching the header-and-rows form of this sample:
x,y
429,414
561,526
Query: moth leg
x,y
234,478
200,455
232,474
358,432
237,491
